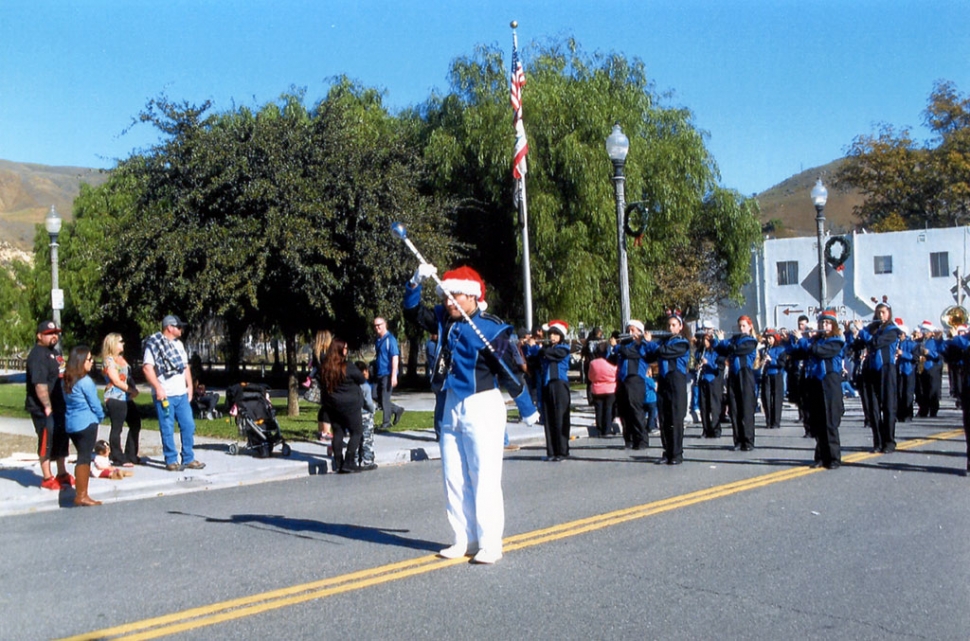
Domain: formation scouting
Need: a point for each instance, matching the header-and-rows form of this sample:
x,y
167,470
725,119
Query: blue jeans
x,y
179,409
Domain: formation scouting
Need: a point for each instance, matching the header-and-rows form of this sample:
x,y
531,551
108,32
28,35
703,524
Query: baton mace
x,y
401,232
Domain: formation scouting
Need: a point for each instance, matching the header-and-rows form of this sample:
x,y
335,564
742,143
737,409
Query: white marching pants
x,y
472,444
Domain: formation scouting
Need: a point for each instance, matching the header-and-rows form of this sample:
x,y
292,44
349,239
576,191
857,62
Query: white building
x,y
916,271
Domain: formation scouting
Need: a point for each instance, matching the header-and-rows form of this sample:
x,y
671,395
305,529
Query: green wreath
x,y
642,214
844,252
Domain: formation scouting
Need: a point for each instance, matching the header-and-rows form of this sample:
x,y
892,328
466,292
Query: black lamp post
x,y
819,197
617,147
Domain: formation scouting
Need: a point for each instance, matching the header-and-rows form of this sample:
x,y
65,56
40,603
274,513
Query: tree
x,y
570,103
924,184
275,219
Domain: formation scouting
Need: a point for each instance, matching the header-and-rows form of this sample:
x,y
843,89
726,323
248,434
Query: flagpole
x,y
520,191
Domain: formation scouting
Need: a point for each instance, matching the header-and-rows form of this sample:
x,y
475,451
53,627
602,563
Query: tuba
x,y
954,316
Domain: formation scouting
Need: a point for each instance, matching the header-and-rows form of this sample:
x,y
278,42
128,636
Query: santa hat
x,y
830,314
926,326
635,323
559,326
961,329
464,280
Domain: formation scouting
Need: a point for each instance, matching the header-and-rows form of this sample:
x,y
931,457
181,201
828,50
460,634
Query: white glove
x,y
424,270
532,420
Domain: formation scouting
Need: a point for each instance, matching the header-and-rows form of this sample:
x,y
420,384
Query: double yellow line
x,y
255,604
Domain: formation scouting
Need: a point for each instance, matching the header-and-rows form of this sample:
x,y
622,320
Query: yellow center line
x,y
224,611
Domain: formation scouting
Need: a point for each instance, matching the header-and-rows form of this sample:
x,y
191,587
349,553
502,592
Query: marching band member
x,y
929,376
474,415
823,386
880,339
772,378
671,353
741,351
631,369
710,380
958,348
554,360
905,374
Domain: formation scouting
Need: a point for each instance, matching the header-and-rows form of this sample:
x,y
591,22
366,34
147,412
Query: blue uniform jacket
x,y
778,355
906,359
742,350
471,368
880,341
671,353
630,361
713,366
555,364
650,395
823,354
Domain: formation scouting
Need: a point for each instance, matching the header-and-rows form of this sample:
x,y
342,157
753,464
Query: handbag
x,y
312,394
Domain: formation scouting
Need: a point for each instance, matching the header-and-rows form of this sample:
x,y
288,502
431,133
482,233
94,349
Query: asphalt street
x,y
729,545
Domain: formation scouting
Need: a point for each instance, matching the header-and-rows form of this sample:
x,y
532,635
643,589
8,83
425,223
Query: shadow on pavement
x,y
306,528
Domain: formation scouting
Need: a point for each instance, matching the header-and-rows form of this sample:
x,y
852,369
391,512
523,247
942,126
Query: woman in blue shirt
x,y
83,415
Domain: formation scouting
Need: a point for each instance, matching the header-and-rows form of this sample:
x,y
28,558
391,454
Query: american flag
x,y
521,144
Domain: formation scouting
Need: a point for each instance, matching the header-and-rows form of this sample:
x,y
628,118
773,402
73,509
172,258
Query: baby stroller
x,y
255,420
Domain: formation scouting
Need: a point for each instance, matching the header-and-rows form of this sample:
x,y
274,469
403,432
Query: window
x,y
788,272
939,264
882,264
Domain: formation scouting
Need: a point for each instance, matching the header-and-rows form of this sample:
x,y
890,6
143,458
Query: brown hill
x,y
790,204
27,192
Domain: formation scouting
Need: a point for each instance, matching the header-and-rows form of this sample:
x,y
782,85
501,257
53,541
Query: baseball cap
x,y
48,327
172,320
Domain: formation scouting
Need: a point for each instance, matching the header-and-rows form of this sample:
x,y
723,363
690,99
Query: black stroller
x,y
255,420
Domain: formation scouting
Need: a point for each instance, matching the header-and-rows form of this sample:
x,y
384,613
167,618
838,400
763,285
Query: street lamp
x,y
819,196
617,147
52,223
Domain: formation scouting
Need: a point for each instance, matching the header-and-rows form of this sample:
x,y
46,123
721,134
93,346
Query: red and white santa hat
x,y
464,280
927,326
559,326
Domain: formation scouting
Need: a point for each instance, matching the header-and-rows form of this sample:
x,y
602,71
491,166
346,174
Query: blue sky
x,y
779,85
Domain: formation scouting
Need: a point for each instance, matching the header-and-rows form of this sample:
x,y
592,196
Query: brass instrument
x,y
954,316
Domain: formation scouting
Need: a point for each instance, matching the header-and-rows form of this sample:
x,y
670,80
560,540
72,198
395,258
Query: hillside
x,y
27,192
791,203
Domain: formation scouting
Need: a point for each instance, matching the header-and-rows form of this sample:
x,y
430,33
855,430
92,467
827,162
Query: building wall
x,y
914,294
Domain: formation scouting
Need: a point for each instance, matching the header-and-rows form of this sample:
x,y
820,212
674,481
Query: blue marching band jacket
x,y
463,364
823,354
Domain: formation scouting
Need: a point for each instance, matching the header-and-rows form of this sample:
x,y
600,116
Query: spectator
x,y
204,403
602,381
82,414
388,361
119,395
45,403
365,455
340,383
166,370
321,343
102,468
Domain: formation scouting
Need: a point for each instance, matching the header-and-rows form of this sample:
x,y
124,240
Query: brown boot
x,y
82,474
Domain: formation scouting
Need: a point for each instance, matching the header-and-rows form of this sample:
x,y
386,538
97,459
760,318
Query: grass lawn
x,y
303,427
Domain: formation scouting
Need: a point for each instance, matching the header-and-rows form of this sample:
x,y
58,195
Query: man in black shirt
x,y
45,402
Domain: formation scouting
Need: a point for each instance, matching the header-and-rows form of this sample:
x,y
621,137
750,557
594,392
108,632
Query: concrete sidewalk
x,y
20,476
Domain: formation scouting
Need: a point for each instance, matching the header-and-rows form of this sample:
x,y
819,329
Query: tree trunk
x,y
293,384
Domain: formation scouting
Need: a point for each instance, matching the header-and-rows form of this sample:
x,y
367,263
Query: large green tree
x,y
276,219
918,184
697,240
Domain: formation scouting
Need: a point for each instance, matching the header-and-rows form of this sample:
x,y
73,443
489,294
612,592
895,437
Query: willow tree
x,y
696,241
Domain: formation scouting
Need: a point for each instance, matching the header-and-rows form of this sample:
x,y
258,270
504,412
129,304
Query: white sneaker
x,y
455,551
487,557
